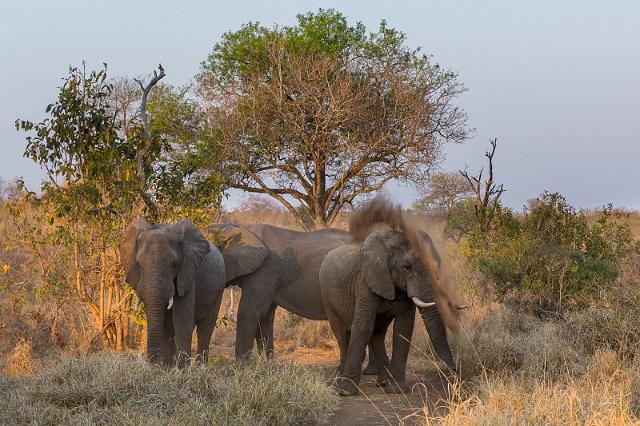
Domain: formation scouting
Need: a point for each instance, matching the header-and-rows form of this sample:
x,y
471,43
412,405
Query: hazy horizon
x,y
556,83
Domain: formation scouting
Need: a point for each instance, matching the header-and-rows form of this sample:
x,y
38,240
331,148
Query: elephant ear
x,y
375,266
128,250
194,248
242,250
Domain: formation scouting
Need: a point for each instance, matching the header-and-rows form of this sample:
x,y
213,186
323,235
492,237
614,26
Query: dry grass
x,y
301,332
113,388
20,360
519,370
606,394
498,339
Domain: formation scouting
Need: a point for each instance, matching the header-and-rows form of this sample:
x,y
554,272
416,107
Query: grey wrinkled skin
x,y
365,286
165,261
274,267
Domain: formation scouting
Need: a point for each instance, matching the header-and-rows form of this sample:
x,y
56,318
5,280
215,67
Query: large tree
x,y
319,113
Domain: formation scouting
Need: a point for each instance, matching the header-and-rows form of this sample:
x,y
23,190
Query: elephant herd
x,y
361,280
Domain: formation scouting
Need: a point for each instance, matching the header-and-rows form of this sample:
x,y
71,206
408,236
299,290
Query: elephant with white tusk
x,y
274,267
380,277
179,277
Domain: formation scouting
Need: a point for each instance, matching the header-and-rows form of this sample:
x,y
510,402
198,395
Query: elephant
x,y
380,276
179,277
274,267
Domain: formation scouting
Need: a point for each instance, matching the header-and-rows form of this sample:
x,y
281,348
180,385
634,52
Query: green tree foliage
x,y
96,180
552,256
89,165
320,113
184,178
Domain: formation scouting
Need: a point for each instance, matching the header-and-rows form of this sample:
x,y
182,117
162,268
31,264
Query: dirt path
x,y
374,407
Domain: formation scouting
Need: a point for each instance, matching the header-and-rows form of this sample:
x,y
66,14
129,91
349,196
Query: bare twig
x,y
487,198
145,94
142,153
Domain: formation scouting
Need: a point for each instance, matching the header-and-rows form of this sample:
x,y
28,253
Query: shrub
x,y
552,257
613,321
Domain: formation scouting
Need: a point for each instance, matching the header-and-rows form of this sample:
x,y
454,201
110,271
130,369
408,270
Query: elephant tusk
x,y
462,306
170,303
419,303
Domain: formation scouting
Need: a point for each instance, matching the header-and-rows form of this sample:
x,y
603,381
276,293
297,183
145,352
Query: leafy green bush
x,y
553,257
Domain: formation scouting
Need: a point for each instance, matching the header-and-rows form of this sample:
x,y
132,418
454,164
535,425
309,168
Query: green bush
x,y
552,257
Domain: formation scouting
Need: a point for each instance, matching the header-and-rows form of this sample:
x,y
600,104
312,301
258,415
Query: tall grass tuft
x,y
115,388
518,369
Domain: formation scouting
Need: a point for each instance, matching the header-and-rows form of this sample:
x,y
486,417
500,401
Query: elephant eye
x,y
406,266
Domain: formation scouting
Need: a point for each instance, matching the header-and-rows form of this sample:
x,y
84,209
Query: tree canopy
x,y
322,112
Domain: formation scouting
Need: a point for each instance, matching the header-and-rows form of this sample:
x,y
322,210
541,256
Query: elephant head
x,y
389,263
390,267
242,250
160,262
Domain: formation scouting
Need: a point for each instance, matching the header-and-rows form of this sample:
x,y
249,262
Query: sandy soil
x,y
373,406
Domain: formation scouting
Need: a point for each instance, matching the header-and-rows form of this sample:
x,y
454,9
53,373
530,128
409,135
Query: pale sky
x,y
558,82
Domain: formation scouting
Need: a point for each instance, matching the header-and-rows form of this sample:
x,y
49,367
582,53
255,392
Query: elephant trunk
x,y
155,307
437,334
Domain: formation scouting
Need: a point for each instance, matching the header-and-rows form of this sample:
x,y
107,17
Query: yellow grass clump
x,y
116,388
606,394
20,360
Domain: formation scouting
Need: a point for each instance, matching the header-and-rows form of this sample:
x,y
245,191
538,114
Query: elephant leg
x,y
342,336
372,364
264,338
371,367
361,332
204,330
377,350
183,323
168,341
255,303
402,332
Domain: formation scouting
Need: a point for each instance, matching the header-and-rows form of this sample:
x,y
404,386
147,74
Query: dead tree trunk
x,y
146,145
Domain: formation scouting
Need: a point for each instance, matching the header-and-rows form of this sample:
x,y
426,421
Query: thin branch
x,y
487,200
145,94
146,144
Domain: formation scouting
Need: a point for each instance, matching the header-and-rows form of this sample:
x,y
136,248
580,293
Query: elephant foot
x,y
370,370
395,386
382,381
346,387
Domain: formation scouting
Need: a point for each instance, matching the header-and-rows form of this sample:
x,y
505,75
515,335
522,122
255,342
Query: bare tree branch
x,y
487,198
146,145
